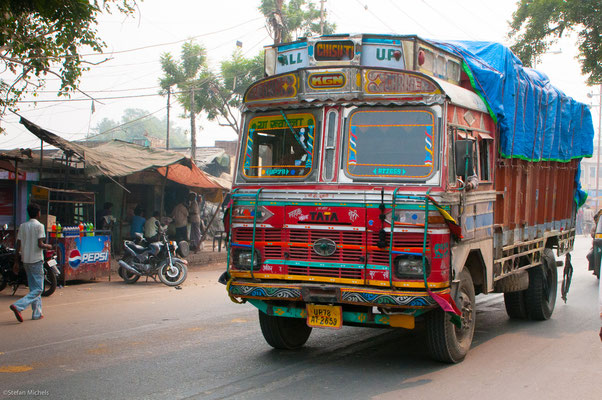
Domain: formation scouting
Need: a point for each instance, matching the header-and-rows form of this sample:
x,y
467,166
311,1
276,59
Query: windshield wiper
x,y
295,135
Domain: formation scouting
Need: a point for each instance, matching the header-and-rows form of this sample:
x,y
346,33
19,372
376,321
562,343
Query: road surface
x,y
108,340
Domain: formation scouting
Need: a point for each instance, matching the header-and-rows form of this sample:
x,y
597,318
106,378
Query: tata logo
x,y
318,216
324,247
327,81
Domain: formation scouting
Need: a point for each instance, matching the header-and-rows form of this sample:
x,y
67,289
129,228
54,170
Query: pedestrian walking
x,y
600,305
194,217
30,245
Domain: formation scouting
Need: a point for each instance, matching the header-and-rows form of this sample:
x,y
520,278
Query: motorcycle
x,y
9,278
595,254
154,259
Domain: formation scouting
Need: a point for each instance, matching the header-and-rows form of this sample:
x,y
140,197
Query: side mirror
x,y
5,227
464,151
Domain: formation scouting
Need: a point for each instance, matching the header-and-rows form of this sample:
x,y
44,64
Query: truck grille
x,y
399,240
305,253
308,237
347,273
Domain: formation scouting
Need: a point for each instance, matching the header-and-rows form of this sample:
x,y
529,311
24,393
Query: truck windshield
x,y
279,146
390,144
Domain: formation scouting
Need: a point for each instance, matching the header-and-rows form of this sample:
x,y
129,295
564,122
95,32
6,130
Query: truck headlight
x,y
247,214
243,260
410,266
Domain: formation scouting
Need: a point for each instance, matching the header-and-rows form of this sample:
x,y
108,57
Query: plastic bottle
x,y
59,230
81,229
53,230
91,229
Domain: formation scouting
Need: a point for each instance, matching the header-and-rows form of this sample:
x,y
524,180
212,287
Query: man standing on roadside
x,y
30,244
180,217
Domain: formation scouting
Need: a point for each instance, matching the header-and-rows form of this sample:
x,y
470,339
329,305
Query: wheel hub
x,y
172,272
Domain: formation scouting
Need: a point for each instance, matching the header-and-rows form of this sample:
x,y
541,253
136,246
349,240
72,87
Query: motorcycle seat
x,y
137,249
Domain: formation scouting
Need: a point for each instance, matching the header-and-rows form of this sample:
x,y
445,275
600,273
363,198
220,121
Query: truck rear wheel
x,y
283,332
540,297
446,342
515,304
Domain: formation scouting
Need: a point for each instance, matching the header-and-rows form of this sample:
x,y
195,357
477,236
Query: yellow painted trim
x,y
418,285
402,321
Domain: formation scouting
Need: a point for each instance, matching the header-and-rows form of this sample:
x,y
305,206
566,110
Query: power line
x,y
449,20
408,15
153,45
365,7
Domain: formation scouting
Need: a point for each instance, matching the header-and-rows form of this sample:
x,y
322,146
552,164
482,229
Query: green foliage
x,y
237,74
299,18
187,73
135,124
38,38
538,24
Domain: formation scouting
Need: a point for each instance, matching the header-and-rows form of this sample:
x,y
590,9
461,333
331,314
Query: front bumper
x,y
334,294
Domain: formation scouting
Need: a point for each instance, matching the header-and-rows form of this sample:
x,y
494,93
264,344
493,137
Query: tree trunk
x,y
192,127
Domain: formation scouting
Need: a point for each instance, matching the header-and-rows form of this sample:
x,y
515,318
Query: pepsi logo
x,y
75,258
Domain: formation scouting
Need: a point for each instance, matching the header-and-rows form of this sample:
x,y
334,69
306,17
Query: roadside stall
x,y
83,251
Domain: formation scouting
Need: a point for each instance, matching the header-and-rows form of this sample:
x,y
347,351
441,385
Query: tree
x,y
41,38
538,24
287,21
237,74
193,79
137,124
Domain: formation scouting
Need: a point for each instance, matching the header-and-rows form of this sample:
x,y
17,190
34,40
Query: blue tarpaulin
x,y
537,121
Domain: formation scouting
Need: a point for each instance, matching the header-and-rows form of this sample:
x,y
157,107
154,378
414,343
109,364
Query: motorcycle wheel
x,y
127,276
49,282
173,276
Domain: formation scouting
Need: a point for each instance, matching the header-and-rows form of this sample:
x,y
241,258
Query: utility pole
x,y
168,106
277,22
322,16
192,127
598,157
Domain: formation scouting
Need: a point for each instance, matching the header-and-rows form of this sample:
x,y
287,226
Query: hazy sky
x,y
136,44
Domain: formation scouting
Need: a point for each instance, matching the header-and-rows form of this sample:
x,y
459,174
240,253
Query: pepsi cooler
x,y
83,257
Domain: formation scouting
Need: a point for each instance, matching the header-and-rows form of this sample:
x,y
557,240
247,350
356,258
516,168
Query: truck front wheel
x,y
540,297
447,342
283,332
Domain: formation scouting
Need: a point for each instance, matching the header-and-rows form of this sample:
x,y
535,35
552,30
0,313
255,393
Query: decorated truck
x,y
386,179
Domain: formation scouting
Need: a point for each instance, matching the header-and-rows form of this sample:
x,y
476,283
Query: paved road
x,y
147,341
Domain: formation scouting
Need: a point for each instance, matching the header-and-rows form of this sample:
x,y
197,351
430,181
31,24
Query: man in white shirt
x,y
180,216
30,244
150,227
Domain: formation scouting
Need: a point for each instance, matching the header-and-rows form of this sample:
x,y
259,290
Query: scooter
x,y
154,259
9,278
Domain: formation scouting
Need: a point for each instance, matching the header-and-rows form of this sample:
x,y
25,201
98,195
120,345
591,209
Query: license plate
x,y
321,316
51,262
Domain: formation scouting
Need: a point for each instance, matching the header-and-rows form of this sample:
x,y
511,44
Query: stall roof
x,y
193,176
115,158
120,158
